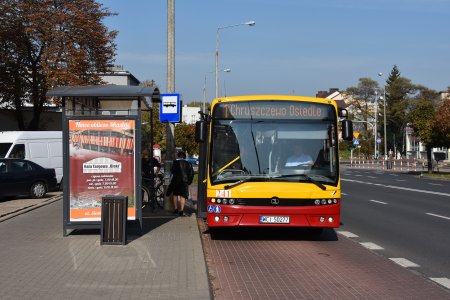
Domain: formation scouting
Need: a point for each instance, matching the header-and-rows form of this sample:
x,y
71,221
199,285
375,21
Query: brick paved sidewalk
x,y
37,262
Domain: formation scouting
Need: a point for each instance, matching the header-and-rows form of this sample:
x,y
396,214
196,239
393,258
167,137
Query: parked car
x,y
23,177
194,162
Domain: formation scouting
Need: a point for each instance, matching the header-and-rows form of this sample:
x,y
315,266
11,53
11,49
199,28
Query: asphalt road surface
x,y
400,216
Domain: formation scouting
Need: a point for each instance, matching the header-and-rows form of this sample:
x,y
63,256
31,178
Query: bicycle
x,y
153,196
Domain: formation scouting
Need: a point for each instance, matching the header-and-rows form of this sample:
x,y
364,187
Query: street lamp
x,y
249,23
384,117
375,126
204,88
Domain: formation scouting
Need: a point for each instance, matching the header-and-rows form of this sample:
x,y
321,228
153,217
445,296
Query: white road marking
x,y
371,246
404,262
398,187
347,234
434,215
394,175
439,184
345,194
358,175
400,180
442,281
381,202
371,176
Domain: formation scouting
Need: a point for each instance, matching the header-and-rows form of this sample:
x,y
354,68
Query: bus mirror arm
x,y
347,130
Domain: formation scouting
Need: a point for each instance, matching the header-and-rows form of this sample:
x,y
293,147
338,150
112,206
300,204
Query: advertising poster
x,y
102,156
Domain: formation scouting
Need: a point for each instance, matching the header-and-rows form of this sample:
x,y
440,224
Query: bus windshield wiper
x,y
228,186
320,185
314,181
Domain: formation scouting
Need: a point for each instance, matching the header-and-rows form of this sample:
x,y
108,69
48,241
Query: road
x,y
402,217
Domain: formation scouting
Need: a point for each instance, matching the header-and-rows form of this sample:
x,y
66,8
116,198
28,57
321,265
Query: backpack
x,y
189,173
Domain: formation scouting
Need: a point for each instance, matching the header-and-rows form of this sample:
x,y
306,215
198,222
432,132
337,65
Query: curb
x,y
26,209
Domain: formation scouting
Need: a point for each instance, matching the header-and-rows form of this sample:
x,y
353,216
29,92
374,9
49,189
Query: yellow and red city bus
x,y
248,179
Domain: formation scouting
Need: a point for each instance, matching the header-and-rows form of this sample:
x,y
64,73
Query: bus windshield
x,y
269,149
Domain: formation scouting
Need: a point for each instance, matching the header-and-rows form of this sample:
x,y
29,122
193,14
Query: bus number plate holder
x,y
274,220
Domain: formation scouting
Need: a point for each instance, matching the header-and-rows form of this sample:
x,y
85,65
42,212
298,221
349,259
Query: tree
x,y
48,43
185,138
359,101
398,93
423,117
430,124
441,127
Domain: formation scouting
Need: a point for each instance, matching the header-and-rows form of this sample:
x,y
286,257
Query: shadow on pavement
x,y
270,233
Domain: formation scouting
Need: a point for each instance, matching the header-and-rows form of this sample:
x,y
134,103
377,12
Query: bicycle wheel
x,y
159,194
145,196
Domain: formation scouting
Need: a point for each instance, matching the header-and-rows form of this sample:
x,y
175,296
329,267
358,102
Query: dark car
x,y
192,160
23,177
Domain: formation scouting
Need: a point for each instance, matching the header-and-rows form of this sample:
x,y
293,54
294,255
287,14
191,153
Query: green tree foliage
x,y
48,43
185,138
360,98
398,94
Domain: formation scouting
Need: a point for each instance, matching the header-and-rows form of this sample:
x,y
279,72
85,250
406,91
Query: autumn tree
x,y
49,43
185,138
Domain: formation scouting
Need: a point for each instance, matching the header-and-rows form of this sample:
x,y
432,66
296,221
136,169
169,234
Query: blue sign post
x,y
170,108
355,142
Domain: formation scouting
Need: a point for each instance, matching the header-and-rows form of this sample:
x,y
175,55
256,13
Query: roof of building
x,y
106,91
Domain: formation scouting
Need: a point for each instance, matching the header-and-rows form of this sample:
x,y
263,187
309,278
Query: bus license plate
x,y
274,220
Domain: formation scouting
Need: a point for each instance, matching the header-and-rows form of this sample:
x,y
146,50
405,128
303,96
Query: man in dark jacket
x,y
182,175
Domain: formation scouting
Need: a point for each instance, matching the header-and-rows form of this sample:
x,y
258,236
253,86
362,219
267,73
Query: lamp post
x,y
384,118
375,126
249,23
204,88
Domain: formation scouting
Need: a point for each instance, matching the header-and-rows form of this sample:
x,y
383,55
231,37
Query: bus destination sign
x,y
272,110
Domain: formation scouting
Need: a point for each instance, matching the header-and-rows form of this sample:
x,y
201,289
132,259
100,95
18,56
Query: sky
x,y
296,47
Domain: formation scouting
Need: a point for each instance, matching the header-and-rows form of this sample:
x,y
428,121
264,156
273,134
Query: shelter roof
x,y
106,91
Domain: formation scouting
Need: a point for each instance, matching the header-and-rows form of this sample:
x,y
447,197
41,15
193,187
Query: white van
x,y
42,147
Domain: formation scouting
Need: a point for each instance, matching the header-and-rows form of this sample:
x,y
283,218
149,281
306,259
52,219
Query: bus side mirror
x,y
347,130
200,131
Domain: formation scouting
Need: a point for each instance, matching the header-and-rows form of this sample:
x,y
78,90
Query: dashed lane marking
x,y
439,216
398,187
439,184
380,202
442,281
345,194
358,175
347,234
401,180
371,246
404,262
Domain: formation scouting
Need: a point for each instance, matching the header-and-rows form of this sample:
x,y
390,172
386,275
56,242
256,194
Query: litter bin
x,y
114,220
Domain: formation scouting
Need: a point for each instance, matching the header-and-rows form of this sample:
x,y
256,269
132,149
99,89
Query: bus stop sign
x,y
170,108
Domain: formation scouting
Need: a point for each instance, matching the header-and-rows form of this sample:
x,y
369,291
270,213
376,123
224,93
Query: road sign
x,y
378,141
355,141
356,135
170,108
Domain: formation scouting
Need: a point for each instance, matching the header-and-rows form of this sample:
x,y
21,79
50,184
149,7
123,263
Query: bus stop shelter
x,y
101,150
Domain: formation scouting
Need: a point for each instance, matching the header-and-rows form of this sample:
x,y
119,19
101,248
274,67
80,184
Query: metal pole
x,y
384,122
170,145
249,23
217,62
204,95
375,127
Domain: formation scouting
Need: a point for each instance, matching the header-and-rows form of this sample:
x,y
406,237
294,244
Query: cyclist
x,y
150,167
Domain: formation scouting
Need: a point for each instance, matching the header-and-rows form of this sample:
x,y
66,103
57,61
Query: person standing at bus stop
x,y
182,176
